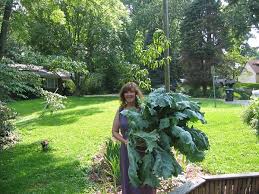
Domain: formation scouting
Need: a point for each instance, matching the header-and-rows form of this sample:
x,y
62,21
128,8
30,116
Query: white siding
x,y
248,75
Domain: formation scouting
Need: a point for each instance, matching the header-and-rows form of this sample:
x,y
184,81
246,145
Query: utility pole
x,y
213,82
166,29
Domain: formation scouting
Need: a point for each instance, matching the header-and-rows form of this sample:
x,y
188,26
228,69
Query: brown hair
x,y
130,86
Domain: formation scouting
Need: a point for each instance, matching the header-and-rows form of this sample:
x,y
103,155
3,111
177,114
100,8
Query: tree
x,y
146,16
87,32
4,26
202,41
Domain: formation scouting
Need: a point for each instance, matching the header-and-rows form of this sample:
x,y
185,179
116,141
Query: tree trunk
x,y
4,27
204,89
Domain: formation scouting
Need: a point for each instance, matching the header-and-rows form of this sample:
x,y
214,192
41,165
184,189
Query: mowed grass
x,y
77,133
234,146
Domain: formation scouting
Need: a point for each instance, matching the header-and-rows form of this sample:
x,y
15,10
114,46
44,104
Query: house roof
x,y
41,71
254,64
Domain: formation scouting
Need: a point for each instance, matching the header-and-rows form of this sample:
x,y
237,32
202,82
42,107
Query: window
x,y
51,83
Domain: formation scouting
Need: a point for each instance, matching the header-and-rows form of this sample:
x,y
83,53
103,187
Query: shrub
x,y
17,83
7,136
251,114
69,88
53,101
244,90
93,84
112,159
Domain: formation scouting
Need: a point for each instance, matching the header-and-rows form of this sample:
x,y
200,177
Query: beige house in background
x,y
250,74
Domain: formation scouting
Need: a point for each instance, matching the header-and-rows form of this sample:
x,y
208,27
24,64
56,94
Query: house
x,y
250,73
52,81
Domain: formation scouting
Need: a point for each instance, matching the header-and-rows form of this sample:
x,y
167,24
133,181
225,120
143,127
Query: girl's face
x,y
130,96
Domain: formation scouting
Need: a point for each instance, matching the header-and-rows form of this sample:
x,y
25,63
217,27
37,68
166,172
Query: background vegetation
x,y
95,39
76,134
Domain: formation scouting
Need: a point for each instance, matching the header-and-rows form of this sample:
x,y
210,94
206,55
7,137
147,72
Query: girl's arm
x,y
115,129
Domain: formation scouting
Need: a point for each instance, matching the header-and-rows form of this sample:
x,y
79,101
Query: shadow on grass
x,y
59,118
27,169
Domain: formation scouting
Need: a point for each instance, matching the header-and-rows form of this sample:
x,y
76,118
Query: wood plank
x,y
221,187
188,187
216,183
248,185
240,185
228,184
235,186
244,182
207,185
253,186
257,185
231,176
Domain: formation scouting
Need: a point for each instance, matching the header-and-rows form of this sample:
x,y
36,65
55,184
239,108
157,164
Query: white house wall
x,y
248,75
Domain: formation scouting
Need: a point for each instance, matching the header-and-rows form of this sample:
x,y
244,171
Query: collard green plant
x,y
162,124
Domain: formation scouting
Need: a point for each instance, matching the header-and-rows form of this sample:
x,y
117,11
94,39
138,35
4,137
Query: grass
x,y
234,145
77,133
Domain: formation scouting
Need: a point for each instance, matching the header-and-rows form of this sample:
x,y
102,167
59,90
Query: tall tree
x,y
202,41
147,15
5,25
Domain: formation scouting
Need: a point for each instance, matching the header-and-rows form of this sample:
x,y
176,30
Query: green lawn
x,y
75,135
77,132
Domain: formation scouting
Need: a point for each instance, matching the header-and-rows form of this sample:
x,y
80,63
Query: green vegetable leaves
x,y
160,126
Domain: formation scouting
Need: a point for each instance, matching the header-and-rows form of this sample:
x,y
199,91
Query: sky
x,y
254,42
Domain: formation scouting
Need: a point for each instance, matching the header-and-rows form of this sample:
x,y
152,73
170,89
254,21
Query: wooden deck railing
x,y
222,184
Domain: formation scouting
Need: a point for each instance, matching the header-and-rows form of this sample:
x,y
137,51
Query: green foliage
x,y
83,135
112,158
7,136
232,65
93,84
69,88
203,38
17,83
53,101
150,56
163,123
244,90
251,114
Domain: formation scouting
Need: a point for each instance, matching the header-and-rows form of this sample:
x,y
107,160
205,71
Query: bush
x,y
197,91
112,159
93,84
251,114
15,83
7,136
53,101
69,88
244,90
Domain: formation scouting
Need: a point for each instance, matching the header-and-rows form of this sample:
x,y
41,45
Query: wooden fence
x,y
222,184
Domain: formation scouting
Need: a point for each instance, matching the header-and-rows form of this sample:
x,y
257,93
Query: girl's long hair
x,y
130,86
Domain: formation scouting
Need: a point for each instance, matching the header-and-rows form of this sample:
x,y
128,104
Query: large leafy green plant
x,y
163,124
